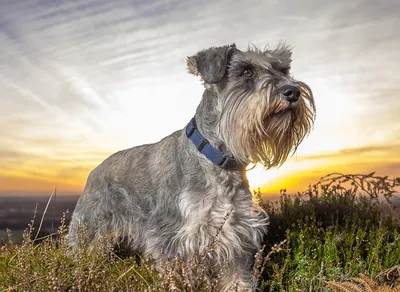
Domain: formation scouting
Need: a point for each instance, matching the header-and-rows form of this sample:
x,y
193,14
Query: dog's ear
x,y
211,63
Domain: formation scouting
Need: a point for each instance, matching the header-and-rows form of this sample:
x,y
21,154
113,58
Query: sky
x,y
80,80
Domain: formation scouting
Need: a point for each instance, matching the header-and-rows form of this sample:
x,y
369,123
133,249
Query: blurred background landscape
x,y
80,80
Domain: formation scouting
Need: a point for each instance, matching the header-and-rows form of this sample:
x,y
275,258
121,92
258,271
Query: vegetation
x,y
342,234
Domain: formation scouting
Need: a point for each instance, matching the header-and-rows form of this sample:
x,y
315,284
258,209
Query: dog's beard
x,y
260,127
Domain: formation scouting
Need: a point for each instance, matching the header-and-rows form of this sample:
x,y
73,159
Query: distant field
x,y
17,212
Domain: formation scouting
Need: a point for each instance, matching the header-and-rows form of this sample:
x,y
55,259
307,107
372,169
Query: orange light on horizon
x,y
295,174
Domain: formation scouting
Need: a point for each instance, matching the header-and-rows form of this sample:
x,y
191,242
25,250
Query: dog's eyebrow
x,y
279,64
242,64
246,64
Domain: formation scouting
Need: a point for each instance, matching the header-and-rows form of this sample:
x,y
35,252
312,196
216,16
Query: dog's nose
x,y
290,92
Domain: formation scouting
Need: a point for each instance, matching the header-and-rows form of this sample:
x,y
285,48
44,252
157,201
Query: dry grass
x,y
329,238
386,281
46,267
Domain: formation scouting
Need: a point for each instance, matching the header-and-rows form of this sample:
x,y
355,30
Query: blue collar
x,y
202,145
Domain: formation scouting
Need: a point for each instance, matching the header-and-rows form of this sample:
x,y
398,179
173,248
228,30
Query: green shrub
x,y
334,231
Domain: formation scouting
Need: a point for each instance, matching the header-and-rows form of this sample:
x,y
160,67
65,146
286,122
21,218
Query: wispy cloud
x,y
78,77
388,151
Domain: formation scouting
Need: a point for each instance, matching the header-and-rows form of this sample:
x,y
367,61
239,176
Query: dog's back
x,y
126,187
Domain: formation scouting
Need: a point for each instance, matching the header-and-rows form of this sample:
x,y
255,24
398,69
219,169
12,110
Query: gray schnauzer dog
x,y
171,198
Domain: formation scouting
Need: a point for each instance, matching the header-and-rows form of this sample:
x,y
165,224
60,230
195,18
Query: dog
x,y
171,198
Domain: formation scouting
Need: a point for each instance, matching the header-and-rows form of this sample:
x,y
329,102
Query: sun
x,y
274,179
259,176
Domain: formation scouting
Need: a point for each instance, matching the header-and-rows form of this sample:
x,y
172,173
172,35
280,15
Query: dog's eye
x,y
248,73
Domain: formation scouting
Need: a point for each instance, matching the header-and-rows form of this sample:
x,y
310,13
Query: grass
x,y
342,234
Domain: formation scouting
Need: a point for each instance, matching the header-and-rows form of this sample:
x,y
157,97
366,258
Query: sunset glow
x,y
79,82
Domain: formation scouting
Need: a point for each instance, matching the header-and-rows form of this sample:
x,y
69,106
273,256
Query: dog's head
x,y
264,113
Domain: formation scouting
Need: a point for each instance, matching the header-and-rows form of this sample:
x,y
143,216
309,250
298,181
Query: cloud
x,y
100,76
67,170
11,154
378,151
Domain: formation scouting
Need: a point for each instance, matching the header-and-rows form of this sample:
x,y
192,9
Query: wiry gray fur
x,y
166,199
